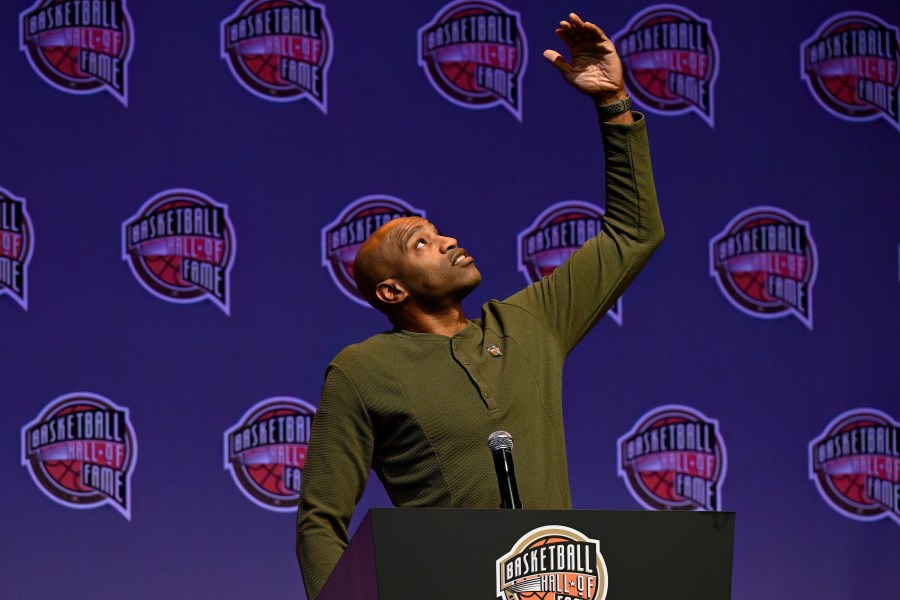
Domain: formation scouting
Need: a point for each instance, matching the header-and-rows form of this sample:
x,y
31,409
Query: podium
x,y
415,553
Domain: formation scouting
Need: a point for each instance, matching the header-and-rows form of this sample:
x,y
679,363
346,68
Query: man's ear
x,y
391,291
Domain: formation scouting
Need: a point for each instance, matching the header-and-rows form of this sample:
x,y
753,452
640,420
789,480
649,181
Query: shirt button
x,y
486,395
475,378
465,362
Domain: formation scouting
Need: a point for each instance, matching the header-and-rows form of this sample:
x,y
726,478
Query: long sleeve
x,y
334,477
574,297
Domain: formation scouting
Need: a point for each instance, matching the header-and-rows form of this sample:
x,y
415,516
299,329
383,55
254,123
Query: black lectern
x,y
415,553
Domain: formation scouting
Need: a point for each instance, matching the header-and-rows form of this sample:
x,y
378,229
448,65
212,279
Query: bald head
x,y
408,268
375,262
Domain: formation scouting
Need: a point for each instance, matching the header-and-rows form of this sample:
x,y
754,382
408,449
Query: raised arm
x,y
334,477
571,300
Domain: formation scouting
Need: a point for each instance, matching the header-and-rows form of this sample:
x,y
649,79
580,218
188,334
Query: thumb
x,y
558,61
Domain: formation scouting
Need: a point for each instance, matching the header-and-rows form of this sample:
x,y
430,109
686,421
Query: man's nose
x,y
448,243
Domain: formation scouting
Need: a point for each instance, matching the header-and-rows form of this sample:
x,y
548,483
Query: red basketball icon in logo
x,y
671,61
851,67
16,247
79,47
765,263
674,459
81,452
265,452
553,563
855,464
474,54
280,50
180,246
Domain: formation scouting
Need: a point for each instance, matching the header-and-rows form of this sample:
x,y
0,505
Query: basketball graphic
x,y
279,50
555,234
851,65
474,54
855,464
81,452
16,247
180,246
671,61
342,237
79,51
673,459
765,263
266,450
572,567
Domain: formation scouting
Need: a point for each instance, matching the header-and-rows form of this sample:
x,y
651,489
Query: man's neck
x,y
448,322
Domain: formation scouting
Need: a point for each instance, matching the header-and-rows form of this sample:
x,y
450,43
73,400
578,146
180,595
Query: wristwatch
x,y
614,108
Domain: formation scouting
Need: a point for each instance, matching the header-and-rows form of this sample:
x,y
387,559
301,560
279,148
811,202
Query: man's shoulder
x,y
364,351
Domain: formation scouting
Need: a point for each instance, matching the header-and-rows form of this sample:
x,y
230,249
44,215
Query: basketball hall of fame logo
x,y
850,66
265,451
280,50
79,46
474,54
553,563
554,236
342,237
671,61
16,247
180,246
81,451
855,463
765,263
674,459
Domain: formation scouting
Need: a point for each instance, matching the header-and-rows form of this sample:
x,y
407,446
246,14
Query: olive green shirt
x,y
417,408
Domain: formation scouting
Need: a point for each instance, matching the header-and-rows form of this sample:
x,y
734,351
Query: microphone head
x,y
500,440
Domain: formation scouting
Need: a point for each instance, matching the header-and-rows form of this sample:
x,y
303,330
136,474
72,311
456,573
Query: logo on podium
x,y
553,563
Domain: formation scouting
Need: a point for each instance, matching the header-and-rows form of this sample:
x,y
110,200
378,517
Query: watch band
x,y
614,108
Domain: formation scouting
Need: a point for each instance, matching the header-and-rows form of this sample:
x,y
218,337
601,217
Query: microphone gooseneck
x,y
500,444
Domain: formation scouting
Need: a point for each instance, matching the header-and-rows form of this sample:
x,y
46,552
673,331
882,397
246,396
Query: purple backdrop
x,y
86,164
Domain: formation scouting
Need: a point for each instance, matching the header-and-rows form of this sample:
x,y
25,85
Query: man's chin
x,y
466,288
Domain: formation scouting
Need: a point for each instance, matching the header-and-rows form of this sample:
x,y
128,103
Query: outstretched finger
x,y
558,61
576,30
563,33
595,32
576,20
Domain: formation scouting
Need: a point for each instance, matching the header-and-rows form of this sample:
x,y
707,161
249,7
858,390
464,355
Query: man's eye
x,y
419,244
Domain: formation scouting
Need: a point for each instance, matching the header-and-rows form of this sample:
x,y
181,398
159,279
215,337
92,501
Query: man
x,y
418,403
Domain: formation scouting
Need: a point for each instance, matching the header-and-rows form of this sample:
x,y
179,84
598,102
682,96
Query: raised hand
x,y
595,68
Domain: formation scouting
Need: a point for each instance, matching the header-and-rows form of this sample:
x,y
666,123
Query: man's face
x,y
431,266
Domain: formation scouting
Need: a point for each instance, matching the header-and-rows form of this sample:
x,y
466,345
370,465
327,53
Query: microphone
x,y
500,443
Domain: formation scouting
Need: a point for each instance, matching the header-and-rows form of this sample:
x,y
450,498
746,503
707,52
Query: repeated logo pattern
x,y
674,459
671,61
265,451
180,246
81,452
280,51
474,54
851,67
16,247
855,464
765,263
79,47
